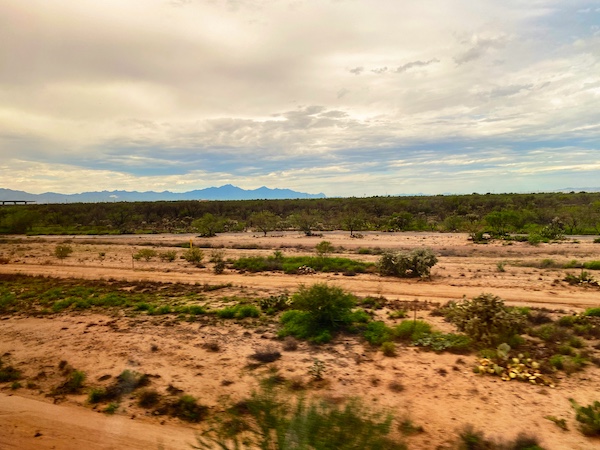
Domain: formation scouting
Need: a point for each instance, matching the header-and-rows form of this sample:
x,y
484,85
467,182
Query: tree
x,y
400,221
264,221
353,221
208,225
306,221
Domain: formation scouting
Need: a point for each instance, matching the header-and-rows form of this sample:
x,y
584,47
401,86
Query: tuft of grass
x,y
588,417
560,423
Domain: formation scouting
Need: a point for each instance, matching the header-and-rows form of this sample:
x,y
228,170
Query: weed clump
x,y
266,354
270,421
8,373
127,382
588,417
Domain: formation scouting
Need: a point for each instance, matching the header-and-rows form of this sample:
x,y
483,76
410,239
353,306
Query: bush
x,y
62,251
168,256
145,253
275,303
595,312
327,306
187,408
72,384
8,373
194,255
376,333
148,398
588,417
411,330
388,349
417,263
324,248
486,320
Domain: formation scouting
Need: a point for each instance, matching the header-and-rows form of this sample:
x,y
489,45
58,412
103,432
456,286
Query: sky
x,y
341,97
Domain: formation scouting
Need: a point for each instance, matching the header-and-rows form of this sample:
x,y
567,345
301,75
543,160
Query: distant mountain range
x,y
227,192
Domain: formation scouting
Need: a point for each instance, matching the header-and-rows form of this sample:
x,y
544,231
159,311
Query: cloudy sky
x,y
344,97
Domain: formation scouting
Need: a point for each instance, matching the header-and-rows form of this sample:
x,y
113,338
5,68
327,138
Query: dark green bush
x,y
328,306
319,311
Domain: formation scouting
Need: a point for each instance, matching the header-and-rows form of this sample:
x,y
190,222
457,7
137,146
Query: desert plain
x,y
210,358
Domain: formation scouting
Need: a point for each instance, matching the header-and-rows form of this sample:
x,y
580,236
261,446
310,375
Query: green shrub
x,y
388,349
243,311
595,312
327,306
96,395
226,313
324,248
72,384
411,330
485,319
377,332
550,333
62,251
145,253
275,303
320,310
168,256
194,255
588,417
592,265
417,263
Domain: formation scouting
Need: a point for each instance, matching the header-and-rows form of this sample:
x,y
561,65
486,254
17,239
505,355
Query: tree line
x,y
570,213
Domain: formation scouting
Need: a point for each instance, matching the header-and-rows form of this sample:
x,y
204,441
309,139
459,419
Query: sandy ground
x,y
440,391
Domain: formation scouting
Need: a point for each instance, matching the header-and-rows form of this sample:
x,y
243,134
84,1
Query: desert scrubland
x,y
141,335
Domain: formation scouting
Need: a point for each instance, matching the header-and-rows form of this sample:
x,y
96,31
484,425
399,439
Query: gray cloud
x,y
478,48
357,70
410,65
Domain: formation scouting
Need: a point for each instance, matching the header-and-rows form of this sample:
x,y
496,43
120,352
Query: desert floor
x,y
440,392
